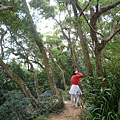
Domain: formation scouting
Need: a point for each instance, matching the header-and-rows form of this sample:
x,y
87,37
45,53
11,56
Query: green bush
x,y
15,106
50,105
102,102
18,107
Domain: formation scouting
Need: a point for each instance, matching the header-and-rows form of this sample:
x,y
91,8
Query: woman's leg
x,y
77,101
72,99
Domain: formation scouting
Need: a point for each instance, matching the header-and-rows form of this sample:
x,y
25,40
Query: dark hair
x,y
74,72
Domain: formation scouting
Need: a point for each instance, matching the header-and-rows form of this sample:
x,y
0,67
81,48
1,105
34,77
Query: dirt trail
x,y
68,113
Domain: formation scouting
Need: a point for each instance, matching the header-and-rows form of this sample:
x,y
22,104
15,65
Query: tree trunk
x,y
70,43
98,63
19,81
38,41
82,37
85,51
99,45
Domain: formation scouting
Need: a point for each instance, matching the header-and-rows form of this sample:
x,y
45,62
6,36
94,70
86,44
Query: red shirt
x,y
75,78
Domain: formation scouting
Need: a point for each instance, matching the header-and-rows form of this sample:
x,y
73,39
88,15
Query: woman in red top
x,y
74,86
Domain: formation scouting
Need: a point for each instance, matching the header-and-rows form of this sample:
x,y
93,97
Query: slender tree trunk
x,y
38,41
119,107
19,81
73,53
63,76
31,69
72,50
37,86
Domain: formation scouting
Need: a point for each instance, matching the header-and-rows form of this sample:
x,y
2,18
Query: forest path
x,y
68,113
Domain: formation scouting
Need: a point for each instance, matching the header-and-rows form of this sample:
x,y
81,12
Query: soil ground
x,y
68,113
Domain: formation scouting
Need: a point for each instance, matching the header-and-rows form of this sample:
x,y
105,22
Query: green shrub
x,y
102,102
14,108
18,107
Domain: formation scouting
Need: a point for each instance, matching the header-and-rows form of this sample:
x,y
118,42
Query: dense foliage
x,y
102,102
17,106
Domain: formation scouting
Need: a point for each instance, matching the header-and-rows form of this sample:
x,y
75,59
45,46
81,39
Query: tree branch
x,y
3,7
62,29
82,13
113,32
96,15
105,9
94,18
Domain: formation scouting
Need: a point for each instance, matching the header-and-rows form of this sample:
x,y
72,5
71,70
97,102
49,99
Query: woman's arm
x,y
79,74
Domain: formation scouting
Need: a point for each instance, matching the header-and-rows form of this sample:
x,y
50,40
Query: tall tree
x,y
83,40
67,35
100,42
10,25
43,51
19,81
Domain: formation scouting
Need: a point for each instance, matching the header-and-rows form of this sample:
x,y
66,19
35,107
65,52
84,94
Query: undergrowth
x,y
102,102
18,107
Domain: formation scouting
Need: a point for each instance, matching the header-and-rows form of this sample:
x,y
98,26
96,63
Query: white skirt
x,y
75,90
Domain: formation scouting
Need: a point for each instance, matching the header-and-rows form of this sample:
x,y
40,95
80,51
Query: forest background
x,y
85,36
